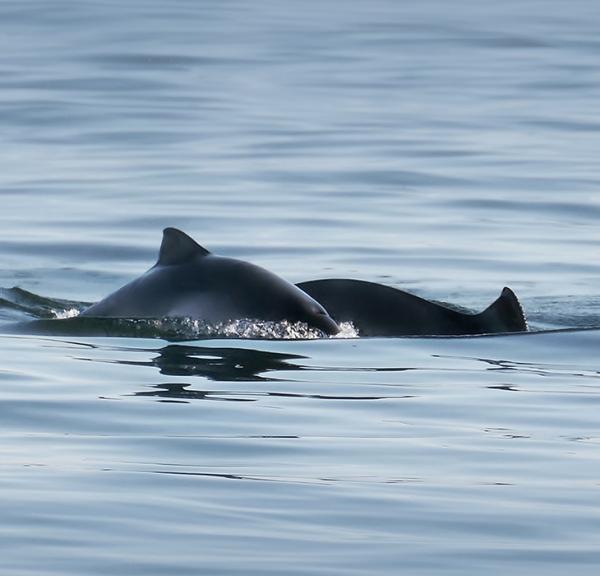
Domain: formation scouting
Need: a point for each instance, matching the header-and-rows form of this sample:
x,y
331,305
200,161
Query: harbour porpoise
x,y
378,310
188,281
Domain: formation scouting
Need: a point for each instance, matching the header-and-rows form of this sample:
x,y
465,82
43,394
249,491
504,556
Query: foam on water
x,y
67,313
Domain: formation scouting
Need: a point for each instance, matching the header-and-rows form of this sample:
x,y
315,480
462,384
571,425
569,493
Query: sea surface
x,y
444,148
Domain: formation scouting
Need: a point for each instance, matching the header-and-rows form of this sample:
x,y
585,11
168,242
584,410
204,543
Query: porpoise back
x,y
189,281
378,310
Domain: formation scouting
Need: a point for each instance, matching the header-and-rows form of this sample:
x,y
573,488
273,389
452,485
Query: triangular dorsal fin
x,y
177,247
504,314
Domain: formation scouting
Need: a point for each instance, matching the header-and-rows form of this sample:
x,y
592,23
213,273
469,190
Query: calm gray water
x,y
445,148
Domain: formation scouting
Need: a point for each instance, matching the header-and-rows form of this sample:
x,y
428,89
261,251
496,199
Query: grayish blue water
x,y
445,148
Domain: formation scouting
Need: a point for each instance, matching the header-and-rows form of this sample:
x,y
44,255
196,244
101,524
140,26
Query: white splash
x,y
189,328
347,330
255,329
247,329
68,313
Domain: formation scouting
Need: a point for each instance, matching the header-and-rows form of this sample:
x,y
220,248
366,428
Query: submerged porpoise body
x,y
188,281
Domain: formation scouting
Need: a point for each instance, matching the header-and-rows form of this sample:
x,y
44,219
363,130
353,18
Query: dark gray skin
x,y
378,310
188,281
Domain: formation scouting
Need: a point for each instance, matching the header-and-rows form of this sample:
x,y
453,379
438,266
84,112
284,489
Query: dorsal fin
x,y
504,314
177,247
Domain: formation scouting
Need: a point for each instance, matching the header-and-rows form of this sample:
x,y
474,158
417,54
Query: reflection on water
x,y
220,364
230,365
177,392
377,438
540,369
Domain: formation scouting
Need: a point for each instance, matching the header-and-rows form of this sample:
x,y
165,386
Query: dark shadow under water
x,y
220,364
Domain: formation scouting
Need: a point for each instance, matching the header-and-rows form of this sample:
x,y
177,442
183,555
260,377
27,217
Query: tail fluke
x,y
504,314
